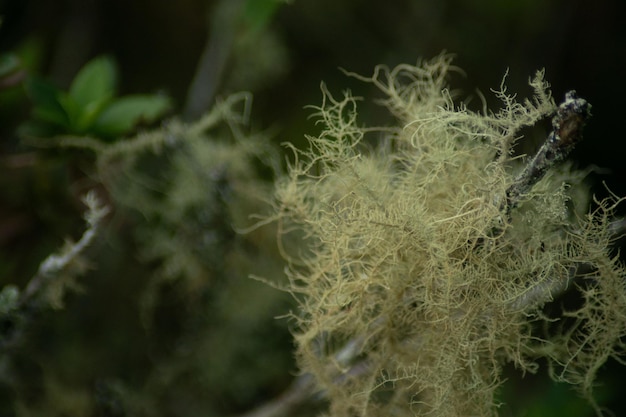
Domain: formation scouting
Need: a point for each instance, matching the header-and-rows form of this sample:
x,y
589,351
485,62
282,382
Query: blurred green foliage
x,y
258,13
89,107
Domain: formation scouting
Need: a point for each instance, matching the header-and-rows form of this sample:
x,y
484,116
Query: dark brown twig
x,y
567,126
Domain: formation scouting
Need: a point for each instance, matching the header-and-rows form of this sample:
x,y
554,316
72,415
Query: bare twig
x,y
303,390
547,290
299,392
214,58
567,126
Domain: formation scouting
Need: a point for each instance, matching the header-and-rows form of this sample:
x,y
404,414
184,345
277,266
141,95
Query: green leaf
x,y
122,115
46,98
89,115
94,83
82,118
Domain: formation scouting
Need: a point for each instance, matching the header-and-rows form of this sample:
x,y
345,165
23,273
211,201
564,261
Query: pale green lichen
x,y
409,252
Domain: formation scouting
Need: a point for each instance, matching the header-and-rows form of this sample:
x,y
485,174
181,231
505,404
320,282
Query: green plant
x,y
429,259
90,106
436,256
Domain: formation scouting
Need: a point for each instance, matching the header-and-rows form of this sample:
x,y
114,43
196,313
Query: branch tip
x,y
567,126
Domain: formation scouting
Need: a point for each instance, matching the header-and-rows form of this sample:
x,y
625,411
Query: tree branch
x,y
214,58
16,308
567,126
55,263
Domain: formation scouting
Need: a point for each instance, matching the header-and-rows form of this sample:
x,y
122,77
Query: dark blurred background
x,y
281,52
581,44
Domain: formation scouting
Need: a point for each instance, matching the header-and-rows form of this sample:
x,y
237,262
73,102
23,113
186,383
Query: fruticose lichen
x,y
416,284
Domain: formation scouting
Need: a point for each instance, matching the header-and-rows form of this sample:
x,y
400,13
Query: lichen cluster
x,y
416,286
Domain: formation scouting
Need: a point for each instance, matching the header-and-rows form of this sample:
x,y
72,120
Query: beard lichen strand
x,y
395,282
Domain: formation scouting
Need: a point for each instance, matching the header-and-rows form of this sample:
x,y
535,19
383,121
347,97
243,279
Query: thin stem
x,y
546,291
303,390
567,126
299,392
215,56
55,263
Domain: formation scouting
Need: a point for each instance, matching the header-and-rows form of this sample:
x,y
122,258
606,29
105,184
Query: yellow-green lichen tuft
x,y
417,285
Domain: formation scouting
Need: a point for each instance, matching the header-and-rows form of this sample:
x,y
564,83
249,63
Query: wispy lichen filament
x,y
437,255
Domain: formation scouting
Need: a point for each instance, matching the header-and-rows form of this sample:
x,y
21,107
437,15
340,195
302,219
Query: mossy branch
x,y
16,308
56,263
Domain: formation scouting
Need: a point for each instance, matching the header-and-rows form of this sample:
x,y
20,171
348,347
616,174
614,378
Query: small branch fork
x,y
567,125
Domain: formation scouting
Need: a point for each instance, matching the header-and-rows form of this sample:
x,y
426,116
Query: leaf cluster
x,y
90,106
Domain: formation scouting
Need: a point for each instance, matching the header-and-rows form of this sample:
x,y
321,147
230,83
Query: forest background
x,y
121,343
